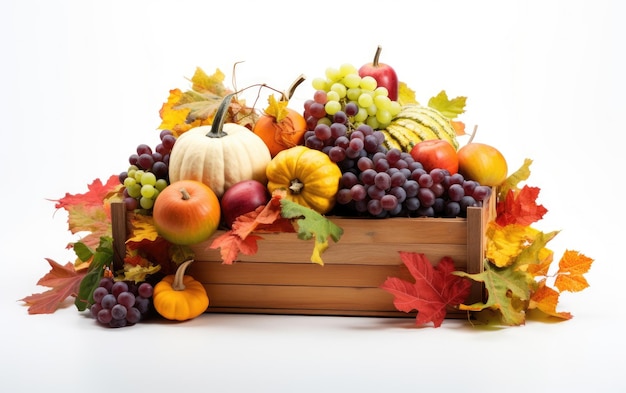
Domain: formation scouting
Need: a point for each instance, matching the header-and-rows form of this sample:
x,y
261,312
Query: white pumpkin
x,y
219,155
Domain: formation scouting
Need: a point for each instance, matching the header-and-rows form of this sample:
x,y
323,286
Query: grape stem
x,y
178,284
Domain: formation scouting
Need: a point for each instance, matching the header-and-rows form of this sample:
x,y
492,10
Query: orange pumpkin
x,y
280,127
186,212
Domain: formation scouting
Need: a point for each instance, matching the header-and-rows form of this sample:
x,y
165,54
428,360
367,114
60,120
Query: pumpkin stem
x,y
296,186
220,116
377,56
178,284
292,89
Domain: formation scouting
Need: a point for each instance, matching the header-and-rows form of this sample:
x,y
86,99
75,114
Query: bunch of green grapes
x,y
344,92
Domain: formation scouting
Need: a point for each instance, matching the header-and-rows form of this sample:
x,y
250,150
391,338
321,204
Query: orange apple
x,y
436,153
482,163
186,212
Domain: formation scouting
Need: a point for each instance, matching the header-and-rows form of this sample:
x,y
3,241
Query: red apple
x,y
241,198
384,74
436,153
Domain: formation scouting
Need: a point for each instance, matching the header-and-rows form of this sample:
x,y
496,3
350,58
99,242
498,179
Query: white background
x,y
82,85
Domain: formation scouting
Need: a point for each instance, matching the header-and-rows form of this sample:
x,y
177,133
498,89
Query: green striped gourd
x,y
416,123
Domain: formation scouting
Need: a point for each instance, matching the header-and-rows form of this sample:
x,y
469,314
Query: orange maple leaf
x,y
64,282
459,127
240,238
572,266
520,208
546,299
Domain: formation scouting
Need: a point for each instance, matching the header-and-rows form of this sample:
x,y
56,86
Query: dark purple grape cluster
x,y
140,192
121,303
381,183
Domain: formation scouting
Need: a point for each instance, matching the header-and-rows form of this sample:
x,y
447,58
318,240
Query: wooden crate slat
x,y
299,251
290,274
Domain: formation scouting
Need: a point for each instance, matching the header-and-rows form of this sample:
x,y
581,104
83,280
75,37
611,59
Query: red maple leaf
x,y
94,197
520,208
88,212
434,290
64,282
240,238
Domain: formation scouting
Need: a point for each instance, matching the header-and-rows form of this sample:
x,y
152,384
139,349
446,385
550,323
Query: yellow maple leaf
x,y
142,228
504,244
172,116
277,108
572,266
138,273
405,94
205,83
546,300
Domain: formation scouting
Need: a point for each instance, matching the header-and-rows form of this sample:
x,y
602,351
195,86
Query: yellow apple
x,y
482,163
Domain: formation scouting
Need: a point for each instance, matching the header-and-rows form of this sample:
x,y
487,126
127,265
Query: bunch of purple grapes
x,y
147,174
388,183
121,303
156,161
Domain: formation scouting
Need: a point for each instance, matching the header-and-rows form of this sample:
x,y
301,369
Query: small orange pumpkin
x,y
281,127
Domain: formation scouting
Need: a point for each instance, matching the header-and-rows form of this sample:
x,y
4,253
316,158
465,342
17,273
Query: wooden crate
x,y
281,279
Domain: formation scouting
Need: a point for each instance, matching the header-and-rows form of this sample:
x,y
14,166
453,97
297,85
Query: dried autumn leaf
x,y
434,290
312,225
507,290
197,107
64,282
89,212
520,207
572,266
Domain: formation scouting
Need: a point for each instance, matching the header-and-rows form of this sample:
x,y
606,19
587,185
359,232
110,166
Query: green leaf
x,y
507,289
102,260
83,252
449,108
311,225
512,182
